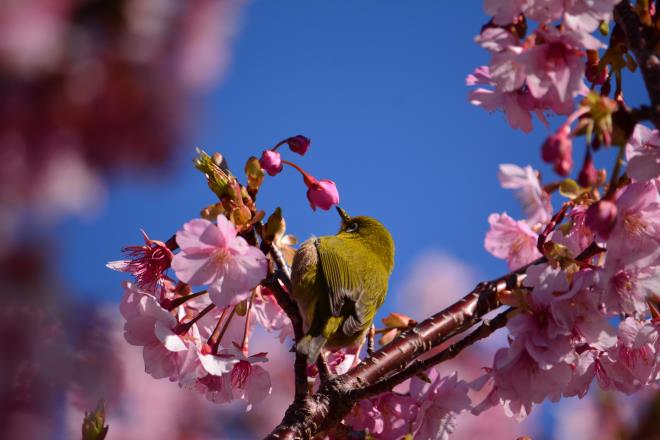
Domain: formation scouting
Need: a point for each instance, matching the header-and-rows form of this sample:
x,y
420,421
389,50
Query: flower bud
x,y
397,320
588,174
601,218
322,194
558,150
271,162
298,144
93,426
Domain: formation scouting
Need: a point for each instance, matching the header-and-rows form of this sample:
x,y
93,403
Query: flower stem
x,y
615,173
182,328
244,344
182,299
216,344
306,177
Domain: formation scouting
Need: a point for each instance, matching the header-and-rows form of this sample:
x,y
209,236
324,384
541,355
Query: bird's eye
x,y
352,227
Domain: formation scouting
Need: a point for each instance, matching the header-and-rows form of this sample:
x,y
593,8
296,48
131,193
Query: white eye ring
x,y
352,227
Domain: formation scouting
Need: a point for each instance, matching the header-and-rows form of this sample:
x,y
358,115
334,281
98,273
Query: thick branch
x,y
335,398
487,327
642,41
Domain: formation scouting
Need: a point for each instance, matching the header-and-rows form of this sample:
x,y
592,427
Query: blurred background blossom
x,y
93,87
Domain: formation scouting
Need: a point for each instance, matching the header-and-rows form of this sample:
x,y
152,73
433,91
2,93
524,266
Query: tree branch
x,y
329,405
335,398
642,41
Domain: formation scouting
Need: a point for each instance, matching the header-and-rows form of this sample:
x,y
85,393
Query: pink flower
x,y
518,382
632,364
643,153
555,68
249,381
601,218
271,162
586,15
637,229
558,150
270,315
298,144
511,240
322,194
387,416
629,280
214,255
525,182
580,314
146,263
516,104
439,403
504,12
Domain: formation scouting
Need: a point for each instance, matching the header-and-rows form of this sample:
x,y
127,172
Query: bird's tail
x,y
311,346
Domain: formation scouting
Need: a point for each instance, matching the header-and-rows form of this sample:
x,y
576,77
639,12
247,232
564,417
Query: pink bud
x,y
592,75
588,174
299,144
601,218
558,150
322,194
271,162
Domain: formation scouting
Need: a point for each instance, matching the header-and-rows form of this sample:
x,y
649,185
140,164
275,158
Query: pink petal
x,y
258,385
196,269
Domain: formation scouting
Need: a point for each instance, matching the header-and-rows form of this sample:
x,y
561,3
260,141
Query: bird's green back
x,y
340,281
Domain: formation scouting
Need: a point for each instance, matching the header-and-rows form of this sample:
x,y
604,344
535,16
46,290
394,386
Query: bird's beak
x,y
344,216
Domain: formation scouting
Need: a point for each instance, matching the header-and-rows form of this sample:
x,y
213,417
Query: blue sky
x,y
379,87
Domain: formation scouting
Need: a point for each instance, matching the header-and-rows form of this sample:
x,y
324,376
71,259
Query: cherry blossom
x,y
146,263
643,153
213,255
440,401
527,187
322,194
555,68
511,240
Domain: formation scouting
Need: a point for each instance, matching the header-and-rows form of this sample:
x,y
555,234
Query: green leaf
x,y
569,188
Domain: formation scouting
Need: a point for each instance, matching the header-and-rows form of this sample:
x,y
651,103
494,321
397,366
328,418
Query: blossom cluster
x,y
426,410
89,89
201,339
545,70
581,319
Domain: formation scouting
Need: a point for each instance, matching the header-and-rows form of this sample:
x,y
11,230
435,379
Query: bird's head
x,y
371,234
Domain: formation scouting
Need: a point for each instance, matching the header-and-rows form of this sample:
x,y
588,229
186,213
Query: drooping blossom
x,y
271,162
213,255
150,326
643,153
527,187
511,240
249,381
322,194
147,263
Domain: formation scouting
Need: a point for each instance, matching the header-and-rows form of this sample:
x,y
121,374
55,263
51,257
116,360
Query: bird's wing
x,y
343,280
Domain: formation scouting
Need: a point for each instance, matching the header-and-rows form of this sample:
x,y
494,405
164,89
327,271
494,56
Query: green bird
x,y
340,281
